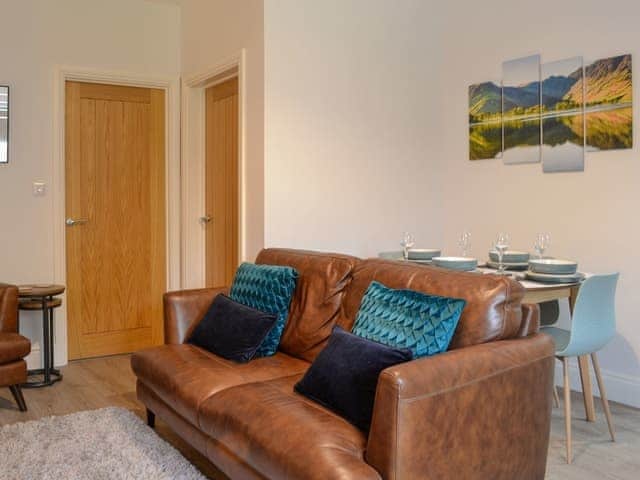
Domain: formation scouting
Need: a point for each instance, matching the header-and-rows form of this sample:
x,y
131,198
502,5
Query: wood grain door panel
x,y
221,179
115,180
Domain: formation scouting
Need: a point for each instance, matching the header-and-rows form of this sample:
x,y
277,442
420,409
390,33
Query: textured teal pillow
x,y
407,319
267,288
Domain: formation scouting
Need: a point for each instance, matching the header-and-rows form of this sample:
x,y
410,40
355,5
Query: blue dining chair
x,y
593,325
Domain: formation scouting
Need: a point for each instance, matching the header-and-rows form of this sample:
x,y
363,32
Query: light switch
x,y
39,189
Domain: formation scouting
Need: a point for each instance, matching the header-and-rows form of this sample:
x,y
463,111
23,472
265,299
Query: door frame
x,y
193,164
171,87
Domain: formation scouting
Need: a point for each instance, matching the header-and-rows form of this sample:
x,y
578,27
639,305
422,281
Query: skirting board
x,y
623,389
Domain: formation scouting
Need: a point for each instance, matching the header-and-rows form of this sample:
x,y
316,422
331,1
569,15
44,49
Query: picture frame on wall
x,y
485,120
4,124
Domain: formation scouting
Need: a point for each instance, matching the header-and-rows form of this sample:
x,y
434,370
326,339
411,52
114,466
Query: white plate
x,y
423,253
456,263
554,278
553,266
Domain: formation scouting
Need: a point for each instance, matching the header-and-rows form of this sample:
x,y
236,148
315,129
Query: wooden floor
x,y
96,383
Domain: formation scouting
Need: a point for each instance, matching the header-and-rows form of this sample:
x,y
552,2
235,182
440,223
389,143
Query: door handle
x,y
71,221
205,219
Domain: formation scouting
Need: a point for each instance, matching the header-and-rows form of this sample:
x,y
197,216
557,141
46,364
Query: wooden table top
x,y
39,290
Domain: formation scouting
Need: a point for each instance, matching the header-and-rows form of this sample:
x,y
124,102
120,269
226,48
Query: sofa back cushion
x,y
322,280
492,312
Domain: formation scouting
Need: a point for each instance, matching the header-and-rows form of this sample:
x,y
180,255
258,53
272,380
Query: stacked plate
x,y
464,264
511,259
422,255
553,270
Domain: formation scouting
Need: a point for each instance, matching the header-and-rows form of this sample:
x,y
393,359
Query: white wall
x,y
591,215
212,32
366,136
121,35
352,134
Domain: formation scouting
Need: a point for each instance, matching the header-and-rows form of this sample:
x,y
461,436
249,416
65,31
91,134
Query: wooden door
x,y
115,208
221,173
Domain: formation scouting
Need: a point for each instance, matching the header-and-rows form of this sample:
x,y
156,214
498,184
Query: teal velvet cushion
x,y
267,288
407,319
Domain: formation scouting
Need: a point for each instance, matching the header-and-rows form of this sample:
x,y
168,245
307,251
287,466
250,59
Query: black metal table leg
x,y
53,340
46,340
50,374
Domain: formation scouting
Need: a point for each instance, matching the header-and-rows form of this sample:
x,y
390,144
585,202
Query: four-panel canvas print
x,y
552,112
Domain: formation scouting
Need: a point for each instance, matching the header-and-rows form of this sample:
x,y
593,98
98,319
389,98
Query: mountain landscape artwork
x,y
555,112
608,104
485,121
562,116
521,110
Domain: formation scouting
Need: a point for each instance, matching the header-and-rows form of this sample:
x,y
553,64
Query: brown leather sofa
x,y
13,346
479,411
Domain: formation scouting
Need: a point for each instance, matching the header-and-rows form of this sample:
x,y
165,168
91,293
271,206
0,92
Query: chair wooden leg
x,y
603,396
587,390
151,418
567,406
556,398
16,391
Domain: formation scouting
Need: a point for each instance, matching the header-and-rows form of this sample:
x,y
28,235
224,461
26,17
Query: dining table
x,y
539,292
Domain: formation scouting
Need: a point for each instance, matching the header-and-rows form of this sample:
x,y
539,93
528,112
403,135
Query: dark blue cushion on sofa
x,y
268,288
423,323
232,330
344,375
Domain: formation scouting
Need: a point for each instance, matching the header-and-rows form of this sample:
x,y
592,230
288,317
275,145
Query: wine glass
x,y
464,242
501,245
408,241
542,243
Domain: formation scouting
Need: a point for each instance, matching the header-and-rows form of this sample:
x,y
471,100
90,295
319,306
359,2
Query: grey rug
x,y
110,443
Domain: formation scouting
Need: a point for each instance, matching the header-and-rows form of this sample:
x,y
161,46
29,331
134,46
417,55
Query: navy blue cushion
x,y
232,330
268,288
344,375
408,319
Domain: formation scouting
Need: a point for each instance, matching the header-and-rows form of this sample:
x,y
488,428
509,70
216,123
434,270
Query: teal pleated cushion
x,y
408,319
267,288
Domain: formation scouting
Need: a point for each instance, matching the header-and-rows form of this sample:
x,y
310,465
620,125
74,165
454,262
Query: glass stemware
x,y
542,243
408,241
501,245
464,242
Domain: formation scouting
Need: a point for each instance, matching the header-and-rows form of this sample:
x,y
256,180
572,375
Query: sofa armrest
x,y
183,309
8,308
474,413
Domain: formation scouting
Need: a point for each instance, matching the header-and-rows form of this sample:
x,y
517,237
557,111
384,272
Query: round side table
x,y
42,298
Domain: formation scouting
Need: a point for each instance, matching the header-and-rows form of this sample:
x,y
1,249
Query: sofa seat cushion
x,y
13,347
184,376
282,434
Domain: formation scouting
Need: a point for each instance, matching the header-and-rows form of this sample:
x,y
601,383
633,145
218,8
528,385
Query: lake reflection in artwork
x,y
563,143
610,129
485,140
522,140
